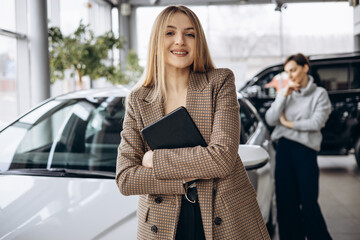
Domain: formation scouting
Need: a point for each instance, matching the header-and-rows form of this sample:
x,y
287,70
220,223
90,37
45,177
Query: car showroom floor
x,y
340,196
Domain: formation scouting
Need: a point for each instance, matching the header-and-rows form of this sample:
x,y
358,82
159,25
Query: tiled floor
x,y
340,196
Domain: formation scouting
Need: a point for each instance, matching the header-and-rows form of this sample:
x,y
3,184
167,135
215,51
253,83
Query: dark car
x,y
339,74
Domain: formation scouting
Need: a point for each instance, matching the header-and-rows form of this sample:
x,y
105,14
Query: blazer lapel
x,y
150,111
154,111
195,100
197,83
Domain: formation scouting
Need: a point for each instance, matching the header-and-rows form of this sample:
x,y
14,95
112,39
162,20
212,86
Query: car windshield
x,y
80,134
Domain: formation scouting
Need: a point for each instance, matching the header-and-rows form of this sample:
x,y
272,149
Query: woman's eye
x,y
190,35
169,33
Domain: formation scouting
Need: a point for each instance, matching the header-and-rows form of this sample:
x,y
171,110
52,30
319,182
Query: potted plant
x,y
88,55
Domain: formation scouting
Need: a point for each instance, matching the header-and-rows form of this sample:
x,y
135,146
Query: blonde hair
x,y
154,75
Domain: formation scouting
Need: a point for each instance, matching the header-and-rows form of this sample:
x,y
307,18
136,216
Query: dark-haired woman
x,y
298,113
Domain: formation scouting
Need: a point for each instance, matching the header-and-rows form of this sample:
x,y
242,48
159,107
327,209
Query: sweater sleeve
x,y
131,177
273,114
217,160
319,117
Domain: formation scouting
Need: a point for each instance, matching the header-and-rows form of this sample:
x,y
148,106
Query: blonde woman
x,y
220,202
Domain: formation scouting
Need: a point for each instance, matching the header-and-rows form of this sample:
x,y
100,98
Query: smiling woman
x,y
190,192
179,42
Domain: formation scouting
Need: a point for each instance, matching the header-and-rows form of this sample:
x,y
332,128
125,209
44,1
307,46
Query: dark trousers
x,y
190,225
297,190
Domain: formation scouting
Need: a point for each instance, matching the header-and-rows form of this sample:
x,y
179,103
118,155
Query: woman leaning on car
x,y
298,113
180,72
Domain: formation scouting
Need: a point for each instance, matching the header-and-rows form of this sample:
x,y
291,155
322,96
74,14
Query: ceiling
x,y
138,3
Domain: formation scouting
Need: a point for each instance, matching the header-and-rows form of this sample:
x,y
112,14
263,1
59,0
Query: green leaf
x,y
87,55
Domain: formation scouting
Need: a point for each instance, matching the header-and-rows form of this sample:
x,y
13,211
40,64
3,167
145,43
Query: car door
x,y
254,132
341,80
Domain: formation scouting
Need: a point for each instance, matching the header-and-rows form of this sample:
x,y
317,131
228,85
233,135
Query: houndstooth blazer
x,y
227,199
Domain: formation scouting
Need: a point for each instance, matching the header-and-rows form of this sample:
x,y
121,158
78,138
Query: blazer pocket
x,y
143,212
145,217
238,200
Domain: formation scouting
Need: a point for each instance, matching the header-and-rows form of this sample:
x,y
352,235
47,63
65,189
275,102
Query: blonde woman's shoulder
x,y
139,92
219,75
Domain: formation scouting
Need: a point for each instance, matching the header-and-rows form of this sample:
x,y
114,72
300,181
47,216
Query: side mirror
x,y
253,156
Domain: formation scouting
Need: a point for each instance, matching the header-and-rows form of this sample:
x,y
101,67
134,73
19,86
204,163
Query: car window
x,y
263,88
34,116
80,134
331,77
249,122
34,149
278,82
355,72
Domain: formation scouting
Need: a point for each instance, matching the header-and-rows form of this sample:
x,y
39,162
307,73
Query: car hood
x,y
64,208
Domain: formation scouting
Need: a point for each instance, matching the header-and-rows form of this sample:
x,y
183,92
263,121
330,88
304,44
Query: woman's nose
x,y
179,40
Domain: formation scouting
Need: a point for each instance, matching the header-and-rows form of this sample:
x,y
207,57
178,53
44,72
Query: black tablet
x,y
175,130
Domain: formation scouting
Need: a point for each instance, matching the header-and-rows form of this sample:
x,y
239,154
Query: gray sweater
x,y
309,109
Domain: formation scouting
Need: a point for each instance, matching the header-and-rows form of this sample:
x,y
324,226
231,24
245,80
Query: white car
x,y
57,169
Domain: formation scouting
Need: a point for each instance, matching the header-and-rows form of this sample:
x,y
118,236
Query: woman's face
x,y
179,42
297,73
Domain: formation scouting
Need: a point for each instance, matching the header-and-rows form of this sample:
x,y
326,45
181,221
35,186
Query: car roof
x,y
334,56
115,91
313,59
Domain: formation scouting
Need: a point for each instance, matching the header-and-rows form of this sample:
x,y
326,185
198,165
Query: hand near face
x,y
147,160
291,87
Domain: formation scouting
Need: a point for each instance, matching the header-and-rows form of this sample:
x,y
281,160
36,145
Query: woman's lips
x,y
179,52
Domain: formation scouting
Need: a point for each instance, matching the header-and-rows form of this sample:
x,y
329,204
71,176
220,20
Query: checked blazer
x,y
227,199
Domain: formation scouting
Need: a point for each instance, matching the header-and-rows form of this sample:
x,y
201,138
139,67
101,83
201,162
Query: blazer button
x,y
158,199
154,229
217,221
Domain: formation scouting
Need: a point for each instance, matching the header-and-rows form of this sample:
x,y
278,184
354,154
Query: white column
x,y
124,28
39,51
357,27
23,59
133,30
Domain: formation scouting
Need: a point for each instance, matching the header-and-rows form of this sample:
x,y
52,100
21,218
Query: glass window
x,y
34,116
100,17
278,82
71,13
82,134
249,122
332,77
268,85
93,12
7,15
8,100
355,69
34,149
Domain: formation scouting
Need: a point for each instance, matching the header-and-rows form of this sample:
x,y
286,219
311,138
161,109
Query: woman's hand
x,y
291,87
285,122
147,160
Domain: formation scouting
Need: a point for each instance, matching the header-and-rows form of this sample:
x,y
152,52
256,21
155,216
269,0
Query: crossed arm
x,y
171,166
